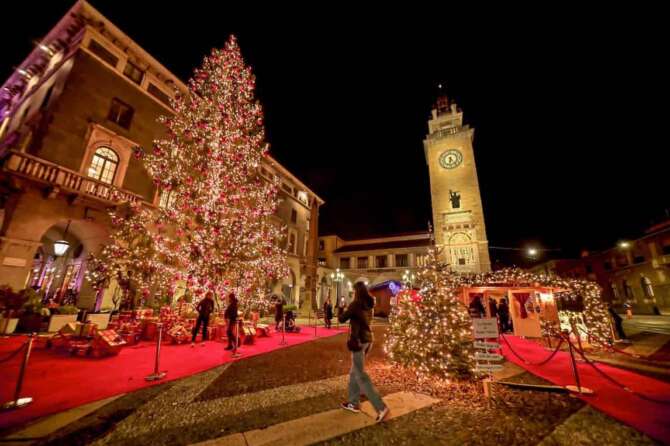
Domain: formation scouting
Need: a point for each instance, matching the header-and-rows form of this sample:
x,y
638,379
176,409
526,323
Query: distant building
x,y
70,116
390,260
635,271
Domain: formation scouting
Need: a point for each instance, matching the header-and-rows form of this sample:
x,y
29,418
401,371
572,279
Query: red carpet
x,y
58,382
646,416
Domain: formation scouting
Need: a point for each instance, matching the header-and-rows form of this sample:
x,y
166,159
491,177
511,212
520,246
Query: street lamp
x,y
61,246
624,244
408,278
532,252
337,277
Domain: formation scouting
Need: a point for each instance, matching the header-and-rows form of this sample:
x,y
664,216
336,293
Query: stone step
x,y
325,425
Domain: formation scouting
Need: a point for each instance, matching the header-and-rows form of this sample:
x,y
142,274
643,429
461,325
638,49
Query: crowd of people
x,y
498,309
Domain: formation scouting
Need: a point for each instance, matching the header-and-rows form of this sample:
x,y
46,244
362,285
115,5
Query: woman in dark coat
x,y
279,312
328,312
231,318
503,315
359,313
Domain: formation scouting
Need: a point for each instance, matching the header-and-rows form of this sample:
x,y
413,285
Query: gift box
x,y
179,334
263,330
86,330
80,348
107,342
150,330
68,329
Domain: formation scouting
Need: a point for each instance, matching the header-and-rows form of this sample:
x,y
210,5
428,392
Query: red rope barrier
x,y
14,353
614,381
543,362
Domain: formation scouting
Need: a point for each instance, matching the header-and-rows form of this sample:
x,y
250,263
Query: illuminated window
x,y
345,263
627,289
380,261
362,262
103,165
647,287
167,199
294,216
292,242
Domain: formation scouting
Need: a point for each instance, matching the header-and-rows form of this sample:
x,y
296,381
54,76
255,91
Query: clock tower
x,y
458,216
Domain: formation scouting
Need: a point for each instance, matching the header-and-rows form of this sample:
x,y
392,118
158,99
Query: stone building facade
x,y
70,117
635,271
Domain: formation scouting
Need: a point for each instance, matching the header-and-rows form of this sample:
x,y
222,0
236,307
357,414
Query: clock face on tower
x,y
451,159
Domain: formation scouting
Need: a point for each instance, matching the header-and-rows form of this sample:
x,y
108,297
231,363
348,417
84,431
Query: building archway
x,y
61,277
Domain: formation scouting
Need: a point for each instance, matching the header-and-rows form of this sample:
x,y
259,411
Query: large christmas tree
x,y
431,331
218,207
132,258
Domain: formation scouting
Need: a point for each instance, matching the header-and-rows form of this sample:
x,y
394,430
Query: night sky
x,y
570,107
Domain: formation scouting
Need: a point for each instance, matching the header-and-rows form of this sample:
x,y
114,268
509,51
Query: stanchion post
x,y
18,401
157,375
283,331
575,372
237,354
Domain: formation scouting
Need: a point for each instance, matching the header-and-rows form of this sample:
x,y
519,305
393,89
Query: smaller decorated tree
x,y
431,333
132,259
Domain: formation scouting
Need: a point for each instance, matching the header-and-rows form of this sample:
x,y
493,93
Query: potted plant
x,y
10,303
30,319
62,316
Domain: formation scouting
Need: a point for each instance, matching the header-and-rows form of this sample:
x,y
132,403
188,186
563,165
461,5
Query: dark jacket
x,y
231,312
279,311
205,307
359,313
328,310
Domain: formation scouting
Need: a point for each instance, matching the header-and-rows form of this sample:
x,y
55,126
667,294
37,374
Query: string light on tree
x,y
221,216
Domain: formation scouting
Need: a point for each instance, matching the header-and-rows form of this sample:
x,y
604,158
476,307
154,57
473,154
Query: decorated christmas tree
x,y
431,331
218,208
143,273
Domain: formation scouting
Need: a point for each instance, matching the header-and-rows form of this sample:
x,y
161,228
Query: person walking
x,y
476,308
503,315
359,315
618,322
204,309
493,307
279,312
328,312
231,318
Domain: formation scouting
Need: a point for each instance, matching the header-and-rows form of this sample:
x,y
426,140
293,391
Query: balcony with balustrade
x,y
57,179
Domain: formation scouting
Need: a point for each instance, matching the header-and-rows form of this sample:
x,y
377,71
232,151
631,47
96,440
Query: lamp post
x,y
60,249
408,277
337,277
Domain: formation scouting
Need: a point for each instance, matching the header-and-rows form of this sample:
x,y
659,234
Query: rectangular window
x,y
292,243
401,260
362,263
133,73
103,53
322,245
294,216
380,261
345,263
120,113
159,94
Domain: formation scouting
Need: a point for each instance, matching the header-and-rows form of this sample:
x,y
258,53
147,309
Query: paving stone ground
x,y
291,384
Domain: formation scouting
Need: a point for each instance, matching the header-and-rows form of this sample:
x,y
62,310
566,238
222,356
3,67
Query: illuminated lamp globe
x,y
61,247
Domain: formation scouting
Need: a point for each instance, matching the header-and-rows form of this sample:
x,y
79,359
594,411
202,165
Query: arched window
x,y
627,290
103,165
167,198
647,287
615,291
